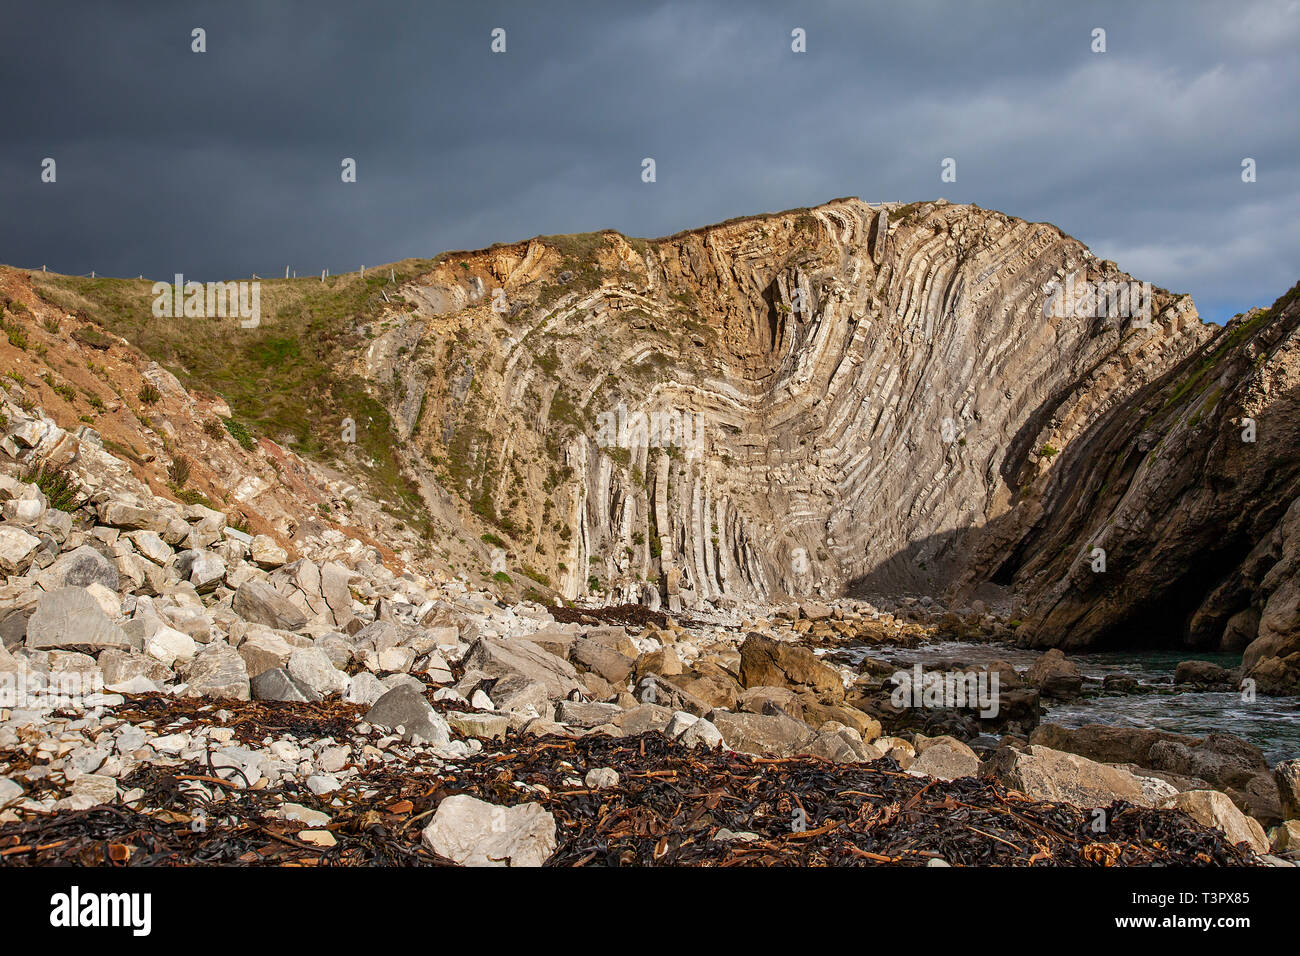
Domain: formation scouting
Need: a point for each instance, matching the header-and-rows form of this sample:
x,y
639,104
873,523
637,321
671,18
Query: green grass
x,y
283,379
239,431
60,488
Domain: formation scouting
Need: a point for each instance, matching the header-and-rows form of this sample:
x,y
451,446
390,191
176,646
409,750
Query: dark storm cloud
x,y
227,163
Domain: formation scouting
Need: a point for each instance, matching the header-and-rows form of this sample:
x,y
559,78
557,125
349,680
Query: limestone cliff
x,y
835,399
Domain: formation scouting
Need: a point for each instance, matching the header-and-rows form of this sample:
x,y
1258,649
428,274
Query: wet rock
x,y
1120,684
1202,673
1056,676
472,832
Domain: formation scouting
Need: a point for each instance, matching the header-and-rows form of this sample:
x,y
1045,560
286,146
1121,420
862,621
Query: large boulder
x,y
263,649
168,646
71,619
764,661
406,707
266,553
258,602
312,667
600,658
643,718
1201,674
664,693
500,658
1213,809
131,517
203,569
1041,773
944,758
578,714
278,684
1105,743
710,683
16,549
775,734
80,568
1056,676
1223,761
472,832
218,671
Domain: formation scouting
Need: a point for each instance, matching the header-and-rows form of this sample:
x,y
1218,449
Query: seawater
x,y
1271,723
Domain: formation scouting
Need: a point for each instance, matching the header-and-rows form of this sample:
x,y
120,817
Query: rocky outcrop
x,y
1171,518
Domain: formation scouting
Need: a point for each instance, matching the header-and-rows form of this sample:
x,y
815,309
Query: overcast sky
x,y
226,163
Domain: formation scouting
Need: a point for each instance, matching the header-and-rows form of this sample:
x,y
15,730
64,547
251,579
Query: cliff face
x,y
847,398
1189,487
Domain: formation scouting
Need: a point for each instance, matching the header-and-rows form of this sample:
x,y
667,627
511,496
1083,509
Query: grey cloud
x,y
227,163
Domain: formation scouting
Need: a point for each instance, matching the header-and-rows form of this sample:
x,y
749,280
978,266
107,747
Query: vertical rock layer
x,y
848,398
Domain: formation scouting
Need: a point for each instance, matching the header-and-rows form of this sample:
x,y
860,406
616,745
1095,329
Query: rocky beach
x,y
179,690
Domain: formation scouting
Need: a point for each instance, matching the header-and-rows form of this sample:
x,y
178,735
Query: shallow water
x,y
1271,723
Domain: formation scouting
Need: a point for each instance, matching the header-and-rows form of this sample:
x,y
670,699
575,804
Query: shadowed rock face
x,y
856,397
1188,500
